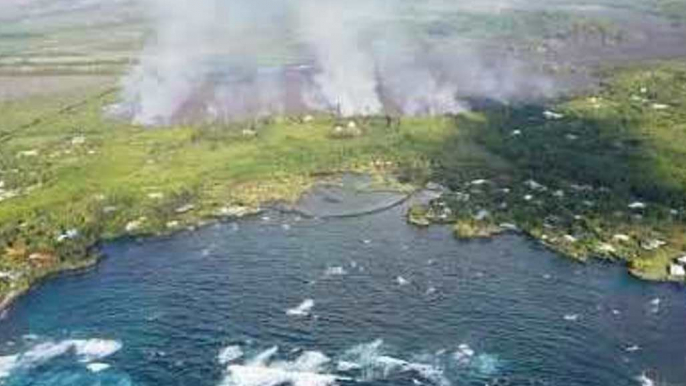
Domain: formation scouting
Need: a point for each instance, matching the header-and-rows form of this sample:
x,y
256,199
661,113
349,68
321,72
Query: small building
x,y
637,205
677,270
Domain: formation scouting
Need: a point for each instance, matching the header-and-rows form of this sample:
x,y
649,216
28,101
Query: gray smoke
x,y
233,59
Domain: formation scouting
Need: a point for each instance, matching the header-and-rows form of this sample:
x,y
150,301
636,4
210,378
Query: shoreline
x,y
201,222
419,194
11,297
7,302
484,169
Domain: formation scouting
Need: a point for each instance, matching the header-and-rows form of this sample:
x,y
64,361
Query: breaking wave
x,y
303,309
365,362
83,350
229,354
309,369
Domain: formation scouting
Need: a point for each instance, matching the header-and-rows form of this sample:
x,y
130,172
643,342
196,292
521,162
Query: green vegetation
x,y
71,178
596,176
564,174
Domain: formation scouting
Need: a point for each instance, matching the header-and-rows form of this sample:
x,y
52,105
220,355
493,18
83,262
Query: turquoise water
x,y
355,301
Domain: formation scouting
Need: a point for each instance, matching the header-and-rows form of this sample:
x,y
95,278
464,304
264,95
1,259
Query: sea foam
x,y
97,367
267,376
309,369
366,362
7,364
85,350
229,354
301,310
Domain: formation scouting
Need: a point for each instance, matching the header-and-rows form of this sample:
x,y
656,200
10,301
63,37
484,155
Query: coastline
x,y
11,297
417,197
73,189
7,302
238,213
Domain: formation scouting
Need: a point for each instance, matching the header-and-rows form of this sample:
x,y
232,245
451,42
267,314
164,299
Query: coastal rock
x,y
236,211
570,238
606,248
435,187
419,221
9,276
508,227
418,215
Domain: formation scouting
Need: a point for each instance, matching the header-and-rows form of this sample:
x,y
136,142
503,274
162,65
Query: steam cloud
x,y
233,59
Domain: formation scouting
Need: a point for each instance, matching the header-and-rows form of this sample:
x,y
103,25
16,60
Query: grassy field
x,y
71,178
564,174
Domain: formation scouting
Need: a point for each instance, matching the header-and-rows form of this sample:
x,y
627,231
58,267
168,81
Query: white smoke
x,y
335,31
232,59
171,64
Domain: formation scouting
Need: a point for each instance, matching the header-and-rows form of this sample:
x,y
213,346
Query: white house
x,y
677,270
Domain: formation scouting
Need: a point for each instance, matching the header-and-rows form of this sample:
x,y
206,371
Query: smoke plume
x,y
237,59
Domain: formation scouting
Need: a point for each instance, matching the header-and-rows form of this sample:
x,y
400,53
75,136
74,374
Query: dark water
x,y
393,305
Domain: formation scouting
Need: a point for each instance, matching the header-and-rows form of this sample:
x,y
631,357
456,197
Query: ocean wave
x,y
303,309
93,349
371,362
308,369
7,364
85,350
267,376
366,362
644,380
335,271
229,354
97,367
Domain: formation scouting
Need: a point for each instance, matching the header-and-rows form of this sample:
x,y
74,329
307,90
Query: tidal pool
x,y
369,300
